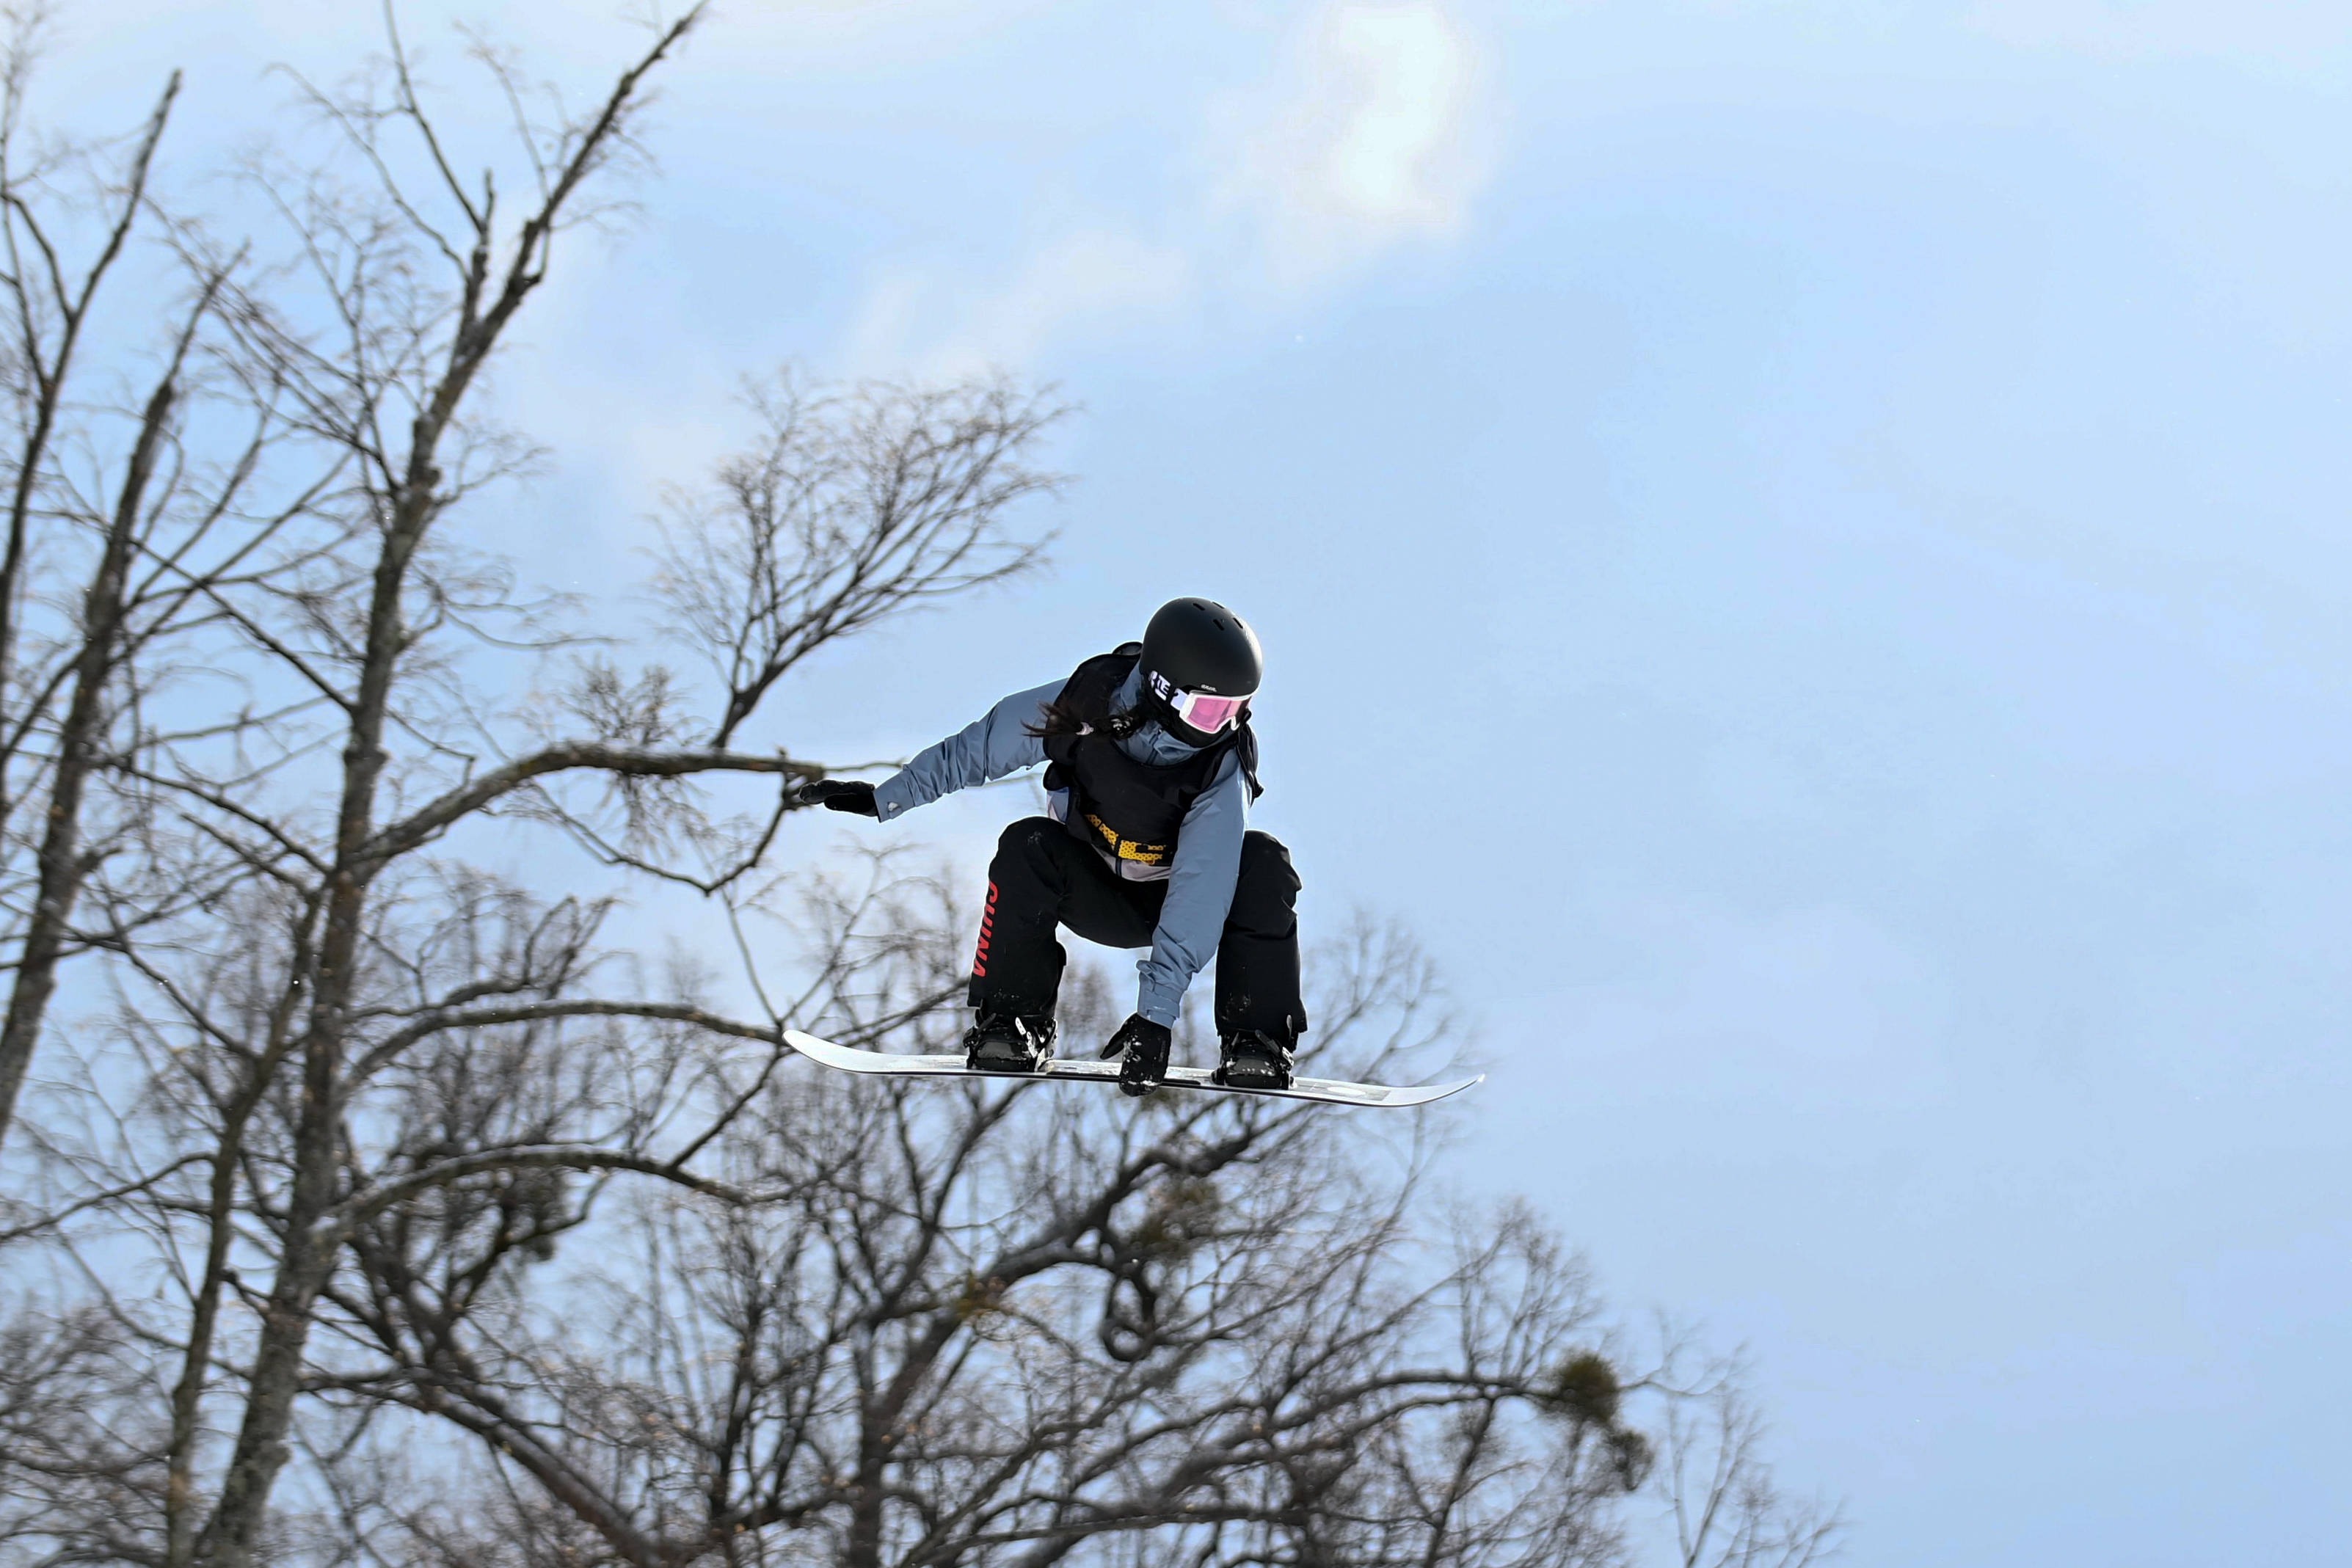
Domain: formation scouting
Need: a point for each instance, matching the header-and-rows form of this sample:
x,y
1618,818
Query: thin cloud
x,y
1376,131
1093,277
1380,136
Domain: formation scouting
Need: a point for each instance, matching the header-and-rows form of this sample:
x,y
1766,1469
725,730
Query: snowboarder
x,y
1151,767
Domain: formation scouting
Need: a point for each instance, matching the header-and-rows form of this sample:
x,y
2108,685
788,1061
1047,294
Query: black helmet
x,y
1201,666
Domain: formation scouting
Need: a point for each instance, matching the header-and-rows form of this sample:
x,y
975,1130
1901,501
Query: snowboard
x,y
1072,1069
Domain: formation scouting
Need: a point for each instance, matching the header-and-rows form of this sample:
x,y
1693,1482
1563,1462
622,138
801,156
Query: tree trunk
x,y
63,868
229,1537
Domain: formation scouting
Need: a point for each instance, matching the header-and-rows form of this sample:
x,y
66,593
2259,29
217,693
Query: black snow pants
x,y
1042,877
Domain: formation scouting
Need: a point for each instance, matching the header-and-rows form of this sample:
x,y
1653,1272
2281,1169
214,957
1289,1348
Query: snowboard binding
x,y
1253,1059
1009,1042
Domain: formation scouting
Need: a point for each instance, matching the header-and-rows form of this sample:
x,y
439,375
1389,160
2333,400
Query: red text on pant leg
x,y
987,928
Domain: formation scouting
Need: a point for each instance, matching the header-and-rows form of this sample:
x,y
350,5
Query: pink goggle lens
x,y
1207,713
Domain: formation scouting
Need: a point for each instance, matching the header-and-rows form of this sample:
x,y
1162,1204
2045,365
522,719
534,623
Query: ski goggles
x,y
1202,711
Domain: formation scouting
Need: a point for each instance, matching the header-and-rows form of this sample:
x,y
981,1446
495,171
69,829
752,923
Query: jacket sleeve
x,y
1200,894
991,747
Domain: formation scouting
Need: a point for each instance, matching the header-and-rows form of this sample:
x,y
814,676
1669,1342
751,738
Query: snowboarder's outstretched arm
x,y
991,747
1200,894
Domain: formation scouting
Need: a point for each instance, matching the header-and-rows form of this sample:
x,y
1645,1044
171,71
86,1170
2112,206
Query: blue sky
x,y
1802,546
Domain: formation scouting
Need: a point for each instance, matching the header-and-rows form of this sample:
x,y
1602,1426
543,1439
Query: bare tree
x,y
1001,1324
852,509
99,498
1727,1512
270,1013
973,1326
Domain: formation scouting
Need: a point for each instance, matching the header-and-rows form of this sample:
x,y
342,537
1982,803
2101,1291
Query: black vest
x,y
1129,810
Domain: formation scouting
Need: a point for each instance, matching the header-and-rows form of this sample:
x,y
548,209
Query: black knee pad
x,y
1266,868
1027,833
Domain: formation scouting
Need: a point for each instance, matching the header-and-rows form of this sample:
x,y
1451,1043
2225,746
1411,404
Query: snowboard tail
x,y
1067,1069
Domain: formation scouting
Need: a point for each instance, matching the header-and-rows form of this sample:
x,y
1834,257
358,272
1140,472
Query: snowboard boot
x,y
1253,1058
1009,1042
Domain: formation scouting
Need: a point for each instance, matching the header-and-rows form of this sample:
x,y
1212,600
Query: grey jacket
x,y
1208,851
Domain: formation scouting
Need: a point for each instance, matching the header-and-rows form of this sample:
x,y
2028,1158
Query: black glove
x,y
839,794
1146,1046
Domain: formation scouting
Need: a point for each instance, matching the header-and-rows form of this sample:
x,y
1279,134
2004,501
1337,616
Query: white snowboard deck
x,y
1065,1070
